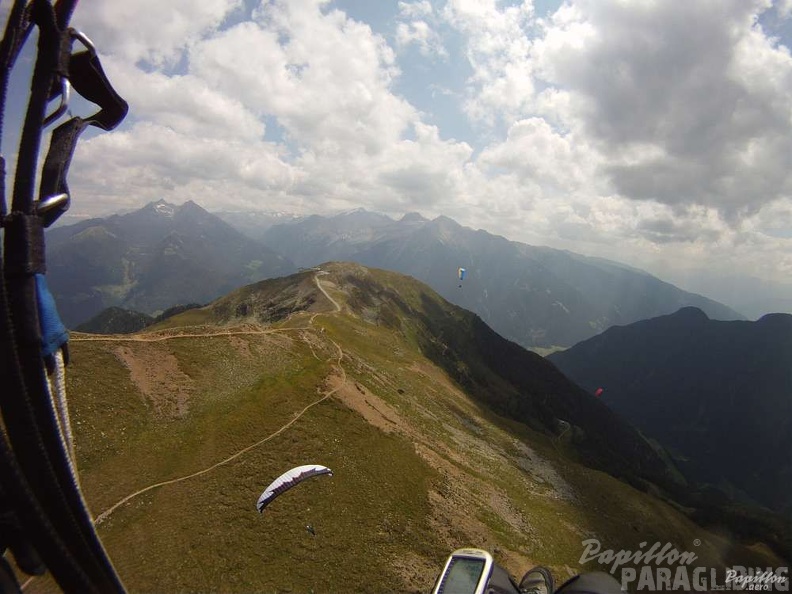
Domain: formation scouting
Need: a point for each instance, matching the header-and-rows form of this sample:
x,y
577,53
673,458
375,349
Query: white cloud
x,y
328,83
325,79
185,103
422,35
562,164
415,10
498,49
150,161
151,30
418,28
689,109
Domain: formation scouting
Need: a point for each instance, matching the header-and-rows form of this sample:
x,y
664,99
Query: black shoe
x,y
538,580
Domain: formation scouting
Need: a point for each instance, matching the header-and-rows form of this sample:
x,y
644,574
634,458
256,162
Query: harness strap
x,y
35,462
90,81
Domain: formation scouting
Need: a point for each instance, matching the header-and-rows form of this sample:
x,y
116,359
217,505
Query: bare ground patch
x,y
372,408
543,471
456,495
155,372
241,346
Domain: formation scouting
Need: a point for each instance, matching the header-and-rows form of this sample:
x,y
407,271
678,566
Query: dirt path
x,y
326,294
155,338
105,514
337,385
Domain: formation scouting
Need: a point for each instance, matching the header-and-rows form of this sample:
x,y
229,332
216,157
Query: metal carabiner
x,y
51,208
83,38
65,84
64,104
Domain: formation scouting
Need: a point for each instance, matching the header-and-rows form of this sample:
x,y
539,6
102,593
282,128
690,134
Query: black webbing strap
x,y
35,473
87,78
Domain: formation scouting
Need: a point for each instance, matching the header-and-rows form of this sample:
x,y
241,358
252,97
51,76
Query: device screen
x,y
462,576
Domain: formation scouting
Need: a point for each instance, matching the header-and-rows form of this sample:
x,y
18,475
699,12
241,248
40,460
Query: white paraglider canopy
x,y
289,479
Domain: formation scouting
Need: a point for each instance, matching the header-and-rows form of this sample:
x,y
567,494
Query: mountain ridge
x,y
685,380
536,296
422,465
151,259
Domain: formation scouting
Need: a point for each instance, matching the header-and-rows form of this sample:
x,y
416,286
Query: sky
x,y
655,133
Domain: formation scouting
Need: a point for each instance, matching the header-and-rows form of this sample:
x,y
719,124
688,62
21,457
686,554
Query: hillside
x,y
116,320
535,296
152,259
396,390
715,393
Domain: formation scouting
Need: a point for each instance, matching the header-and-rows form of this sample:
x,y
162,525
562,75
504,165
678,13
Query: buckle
x,y
51,208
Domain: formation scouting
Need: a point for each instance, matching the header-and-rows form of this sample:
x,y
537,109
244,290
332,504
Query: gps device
x,y
467,571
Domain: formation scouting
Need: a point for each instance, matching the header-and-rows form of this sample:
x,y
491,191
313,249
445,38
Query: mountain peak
x,y
444,220
161,208
190,205
154,257
691,313
413,217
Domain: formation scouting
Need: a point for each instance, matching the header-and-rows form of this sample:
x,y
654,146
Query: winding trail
x,y
324,292
106,514
144,338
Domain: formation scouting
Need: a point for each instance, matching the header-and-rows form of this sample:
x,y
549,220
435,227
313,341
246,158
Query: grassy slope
x,y
420,468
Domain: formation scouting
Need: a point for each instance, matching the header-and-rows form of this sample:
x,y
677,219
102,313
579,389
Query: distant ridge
x,y
535,296
151,259
117,320
716,393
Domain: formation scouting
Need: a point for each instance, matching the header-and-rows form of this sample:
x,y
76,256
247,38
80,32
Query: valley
x,y
211,404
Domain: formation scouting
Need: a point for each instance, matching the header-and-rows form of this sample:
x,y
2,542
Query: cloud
x,y
150,161
668,229
326,80
415,10
416,29
498,50
184,103
422,35
534,150
325,77
428,172
152,31
688,103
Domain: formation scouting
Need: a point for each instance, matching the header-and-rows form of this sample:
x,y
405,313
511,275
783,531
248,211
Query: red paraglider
x,y
598,392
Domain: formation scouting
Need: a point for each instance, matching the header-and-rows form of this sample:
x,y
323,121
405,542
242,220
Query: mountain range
x,y
716,394
165,255
440,434
151,259
535,296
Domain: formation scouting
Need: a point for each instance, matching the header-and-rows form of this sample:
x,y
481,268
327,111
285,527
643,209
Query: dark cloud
x,y
666,230
697,84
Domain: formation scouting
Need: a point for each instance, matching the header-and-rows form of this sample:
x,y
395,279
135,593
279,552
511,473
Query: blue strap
x,y
53,333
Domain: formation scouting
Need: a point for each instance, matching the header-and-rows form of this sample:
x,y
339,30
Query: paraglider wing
x,y
288,480
598,392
